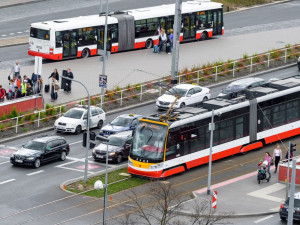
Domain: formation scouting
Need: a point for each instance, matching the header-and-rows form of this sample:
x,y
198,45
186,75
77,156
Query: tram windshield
x,y
149,142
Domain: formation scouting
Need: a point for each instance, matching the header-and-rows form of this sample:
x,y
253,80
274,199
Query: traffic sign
x,y
102,81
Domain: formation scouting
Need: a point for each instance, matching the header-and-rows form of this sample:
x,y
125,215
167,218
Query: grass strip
x,y
116,183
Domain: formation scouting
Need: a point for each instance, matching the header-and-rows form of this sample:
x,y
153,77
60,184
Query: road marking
x,y
264,192
4,182
66,164
19,32
266,218
11,33
26,31
67,168
37,172
4,162
3,35
75,142
4,157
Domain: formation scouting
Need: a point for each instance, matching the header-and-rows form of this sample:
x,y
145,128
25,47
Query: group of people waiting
x,y
165,41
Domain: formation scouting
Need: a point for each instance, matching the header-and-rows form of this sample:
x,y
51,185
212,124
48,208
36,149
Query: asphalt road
x,y
26,188
15,21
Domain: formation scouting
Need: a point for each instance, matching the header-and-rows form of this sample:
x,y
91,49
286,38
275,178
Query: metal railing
x,y
203,76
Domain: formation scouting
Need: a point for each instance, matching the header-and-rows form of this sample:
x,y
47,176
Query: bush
x,y
1,126
137,87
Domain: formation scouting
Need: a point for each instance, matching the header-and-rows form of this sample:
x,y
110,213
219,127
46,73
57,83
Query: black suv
x,y
283,212
41,150
118,147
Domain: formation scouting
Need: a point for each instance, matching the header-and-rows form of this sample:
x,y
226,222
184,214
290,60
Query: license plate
x,y
60,127
100,156
19,161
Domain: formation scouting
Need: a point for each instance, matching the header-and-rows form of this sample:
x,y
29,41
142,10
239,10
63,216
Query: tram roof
x,y
273,89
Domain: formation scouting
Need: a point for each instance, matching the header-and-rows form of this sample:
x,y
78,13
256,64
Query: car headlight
x,y
30,158
156,166
111,153
94,151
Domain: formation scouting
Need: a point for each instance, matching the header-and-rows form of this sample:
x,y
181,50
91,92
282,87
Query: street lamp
x,y
88,128
104,139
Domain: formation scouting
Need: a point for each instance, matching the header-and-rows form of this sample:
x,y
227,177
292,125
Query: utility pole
x,y
211,128
104,57
288,172
291,202
176,40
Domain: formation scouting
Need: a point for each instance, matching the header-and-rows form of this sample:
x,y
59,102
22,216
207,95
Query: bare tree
x,y
161,204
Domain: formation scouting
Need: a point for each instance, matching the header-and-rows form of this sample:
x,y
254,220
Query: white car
x,y
75,120
190,95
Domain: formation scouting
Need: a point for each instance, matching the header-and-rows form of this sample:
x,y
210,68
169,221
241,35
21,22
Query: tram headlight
x,y
156,166
130,162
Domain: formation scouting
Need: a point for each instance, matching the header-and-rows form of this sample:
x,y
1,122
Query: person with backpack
x,y
68,86
2,94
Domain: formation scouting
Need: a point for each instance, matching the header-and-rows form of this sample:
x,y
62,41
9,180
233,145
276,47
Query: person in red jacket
x,y
2,94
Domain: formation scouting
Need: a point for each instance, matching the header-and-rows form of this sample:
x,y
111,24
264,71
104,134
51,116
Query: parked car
x,y
75,120
121,123
298,63
283,212
190,95
237,88
41,150
118,147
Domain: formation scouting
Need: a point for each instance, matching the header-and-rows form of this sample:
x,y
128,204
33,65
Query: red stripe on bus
x,y
215,156
283,135
251,147
154,174
198,35
173,171
222,31
210,34
46,56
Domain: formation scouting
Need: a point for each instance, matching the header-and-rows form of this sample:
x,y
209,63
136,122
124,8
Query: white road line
x,y
37,172
265,192
26,31
3,35
67,168
4,182
11,33
266,218
66,164
5,157
4,162
19,32
75,142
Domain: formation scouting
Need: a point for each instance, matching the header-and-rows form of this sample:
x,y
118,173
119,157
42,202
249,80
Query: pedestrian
x,y
162,39
29,81
39,86
24,88
34,78
55,74
68,86
29,90
171,40
277,156
54,87
17,82
17,93
268,159
2,94
287,155
11,89
16,70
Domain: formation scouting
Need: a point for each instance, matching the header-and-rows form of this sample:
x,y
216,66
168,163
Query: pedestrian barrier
x,y
214,199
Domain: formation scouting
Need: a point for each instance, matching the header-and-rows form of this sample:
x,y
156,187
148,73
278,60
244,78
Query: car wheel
x,y
85,53
37,163
63,156
205,99
119,158
78,129
182,105
100,124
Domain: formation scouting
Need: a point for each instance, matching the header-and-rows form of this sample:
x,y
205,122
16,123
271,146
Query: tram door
x,y
69,44
217,22
189,26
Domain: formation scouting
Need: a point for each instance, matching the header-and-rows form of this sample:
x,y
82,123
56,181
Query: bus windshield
x,y
149,142
39,33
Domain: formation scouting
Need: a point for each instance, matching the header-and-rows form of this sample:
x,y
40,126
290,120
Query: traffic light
x,y
292,147
92,138
92,145
84,139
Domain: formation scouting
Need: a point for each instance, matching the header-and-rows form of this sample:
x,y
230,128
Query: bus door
x,y
217,22
189,26
100,38
69,44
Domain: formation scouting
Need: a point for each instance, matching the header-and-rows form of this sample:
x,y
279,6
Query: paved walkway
x,y
243,196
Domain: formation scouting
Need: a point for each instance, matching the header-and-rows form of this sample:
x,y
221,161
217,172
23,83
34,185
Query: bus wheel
x,y
85,53
203,36
149,44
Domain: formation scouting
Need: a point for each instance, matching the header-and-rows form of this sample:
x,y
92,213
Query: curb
x,y
258,6
20,3
20,42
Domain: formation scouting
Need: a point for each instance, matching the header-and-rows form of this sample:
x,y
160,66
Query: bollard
x,y
214,199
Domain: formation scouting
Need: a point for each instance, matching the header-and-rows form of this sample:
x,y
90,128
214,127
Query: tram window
x,y
58,39
278,115
171,146
226,131
292,112
239,127
216,134
267,119
197,139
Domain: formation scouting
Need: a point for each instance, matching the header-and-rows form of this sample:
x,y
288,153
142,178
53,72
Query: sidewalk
x,y
9,3
243,196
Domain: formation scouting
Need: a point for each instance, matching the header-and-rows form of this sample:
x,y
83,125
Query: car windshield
x,y
296,202
74,113
121,121
149,141
35,145
174,91
116,141
234,88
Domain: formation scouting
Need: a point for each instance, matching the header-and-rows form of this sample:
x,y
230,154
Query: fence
x,y
150,90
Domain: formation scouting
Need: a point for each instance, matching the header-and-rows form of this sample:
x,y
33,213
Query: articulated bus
x,y
127,30
262,116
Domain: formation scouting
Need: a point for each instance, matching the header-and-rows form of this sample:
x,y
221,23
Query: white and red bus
x,y
127,30
264,115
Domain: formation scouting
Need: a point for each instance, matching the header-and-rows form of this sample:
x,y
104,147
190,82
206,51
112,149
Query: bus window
x,y
87,36
201,20
141,28
209,18
114,33
58,39
152,25
39,33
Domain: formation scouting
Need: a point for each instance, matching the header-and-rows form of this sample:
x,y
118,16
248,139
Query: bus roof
x,y
138,14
